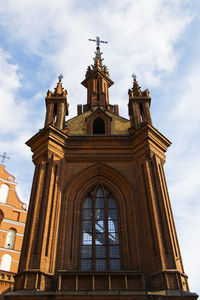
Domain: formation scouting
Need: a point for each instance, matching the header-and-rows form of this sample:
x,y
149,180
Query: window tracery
x,y
100,249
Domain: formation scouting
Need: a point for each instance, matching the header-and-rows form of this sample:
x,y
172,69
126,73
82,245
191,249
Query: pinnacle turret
x,y
57,106
139,105
97,80
58,90
97,65
136,90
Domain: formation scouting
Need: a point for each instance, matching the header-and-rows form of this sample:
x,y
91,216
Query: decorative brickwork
x,y
100,222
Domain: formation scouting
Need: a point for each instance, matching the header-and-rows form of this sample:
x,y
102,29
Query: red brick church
x,y
100,223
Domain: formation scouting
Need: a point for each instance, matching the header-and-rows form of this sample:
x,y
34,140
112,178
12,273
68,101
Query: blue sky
x,y
156,39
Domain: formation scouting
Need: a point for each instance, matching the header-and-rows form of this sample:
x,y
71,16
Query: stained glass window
x,y
100,232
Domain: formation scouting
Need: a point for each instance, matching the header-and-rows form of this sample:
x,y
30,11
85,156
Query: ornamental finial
x,y
60,77
134,77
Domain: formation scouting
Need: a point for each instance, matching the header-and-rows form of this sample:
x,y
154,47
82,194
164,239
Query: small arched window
x,y
6,262
100,249
4,190
10,239
98,126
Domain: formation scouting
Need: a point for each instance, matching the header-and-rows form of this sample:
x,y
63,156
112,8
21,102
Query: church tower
x,y
100,222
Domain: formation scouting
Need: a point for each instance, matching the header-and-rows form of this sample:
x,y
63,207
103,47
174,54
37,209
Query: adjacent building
x,y
13,214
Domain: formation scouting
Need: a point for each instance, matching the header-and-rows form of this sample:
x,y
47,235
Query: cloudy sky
x,y
159,40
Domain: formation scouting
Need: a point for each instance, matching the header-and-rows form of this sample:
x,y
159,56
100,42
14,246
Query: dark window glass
x,y
113,238
100,214
100,252
86,252
86,264
100,264
99,193
99,203
87,214
87,203
114,252
100,239
114,264
87,226
111,203
112,214
98,126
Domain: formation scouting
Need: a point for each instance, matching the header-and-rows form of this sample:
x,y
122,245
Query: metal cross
x,y
134,76
4,157
60,77
98,41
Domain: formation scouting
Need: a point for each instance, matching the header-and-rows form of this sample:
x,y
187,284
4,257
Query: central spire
x,y
98,60
97,80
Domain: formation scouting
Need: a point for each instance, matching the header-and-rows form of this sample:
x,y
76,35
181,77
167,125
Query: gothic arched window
x,y
98,126
100,249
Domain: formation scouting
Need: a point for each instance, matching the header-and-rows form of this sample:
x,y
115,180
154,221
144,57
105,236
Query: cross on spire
x,y
98,41
3,157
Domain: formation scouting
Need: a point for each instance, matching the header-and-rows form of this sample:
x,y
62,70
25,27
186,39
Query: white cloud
x,y
17,122
183,164
143,31
188,108
9,83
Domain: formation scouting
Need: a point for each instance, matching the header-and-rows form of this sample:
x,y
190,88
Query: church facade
x,y
13,214
100,222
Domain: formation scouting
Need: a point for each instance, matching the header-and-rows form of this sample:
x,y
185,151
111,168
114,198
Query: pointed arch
x,y
98,126
72,205
98,123
100,244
